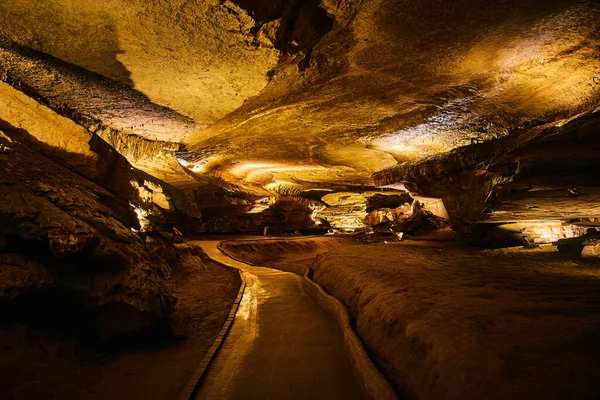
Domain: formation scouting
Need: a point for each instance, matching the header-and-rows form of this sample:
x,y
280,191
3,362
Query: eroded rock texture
x,y
199,58
394,81
547,172
240,101
68,247
381,116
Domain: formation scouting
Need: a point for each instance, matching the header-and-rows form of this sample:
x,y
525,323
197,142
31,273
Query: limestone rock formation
x,y
591,250
394,82
197,57
124,120
67,242
528,176
387,215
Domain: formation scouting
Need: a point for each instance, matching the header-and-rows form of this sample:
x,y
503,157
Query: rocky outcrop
x,y
547,172
419,221
88,154
374,216
591,250
465,182
279,215
356,210
408,220
291,215
68,242
584,245
145,133
387,215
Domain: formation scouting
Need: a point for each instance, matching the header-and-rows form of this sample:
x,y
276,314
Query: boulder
x,y
575,246
418,221
412,219
591,250
387,215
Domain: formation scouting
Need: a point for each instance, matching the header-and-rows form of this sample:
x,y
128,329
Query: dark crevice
x,y
303,23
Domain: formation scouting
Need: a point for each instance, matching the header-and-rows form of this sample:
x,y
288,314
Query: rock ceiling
x,y
196,57
306,94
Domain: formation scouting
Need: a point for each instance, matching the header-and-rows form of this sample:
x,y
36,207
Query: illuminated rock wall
x,y
67,245
544,177
197,57
306,97
397,81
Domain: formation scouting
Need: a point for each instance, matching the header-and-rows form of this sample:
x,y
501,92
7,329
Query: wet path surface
x,y
282,344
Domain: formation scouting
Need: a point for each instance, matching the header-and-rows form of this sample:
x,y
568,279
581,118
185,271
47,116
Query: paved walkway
x,y
282,345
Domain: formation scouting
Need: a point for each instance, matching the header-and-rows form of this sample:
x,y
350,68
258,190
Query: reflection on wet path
x,y
282,345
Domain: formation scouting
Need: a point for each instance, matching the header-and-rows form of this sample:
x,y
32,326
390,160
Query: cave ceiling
x,y
305,94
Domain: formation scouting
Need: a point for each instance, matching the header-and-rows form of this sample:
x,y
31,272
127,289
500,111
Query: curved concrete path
x,y
282,344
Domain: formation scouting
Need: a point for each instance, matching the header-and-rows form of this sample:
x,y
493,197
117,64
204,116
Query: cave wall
x,y
339,91
84,234
543,173
67,238
46,126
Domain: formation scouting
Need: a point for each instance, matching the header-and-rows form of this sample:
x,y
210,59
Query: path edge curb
x,y
375,386
194,382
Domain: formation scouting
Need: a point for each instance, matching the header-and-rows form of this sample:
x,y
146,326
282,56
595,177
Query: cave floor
x,y
447,321
40,364
282,344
